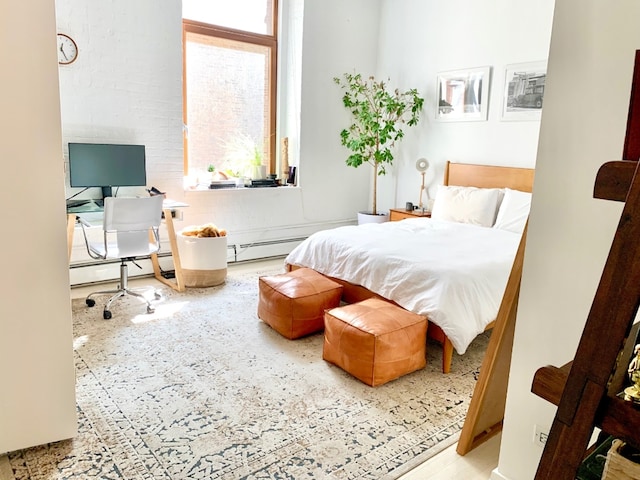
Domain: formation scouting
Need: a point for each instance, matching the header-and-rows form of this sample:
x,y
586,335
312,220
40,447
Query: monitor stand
x,y
107,192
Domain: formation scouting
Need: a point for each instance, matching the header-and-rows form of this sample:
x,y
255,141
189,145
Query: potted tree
x,y
378,117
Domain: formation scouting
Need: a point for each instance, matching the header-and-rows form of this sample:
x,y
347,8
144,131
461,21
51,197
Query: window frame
x,y
265,40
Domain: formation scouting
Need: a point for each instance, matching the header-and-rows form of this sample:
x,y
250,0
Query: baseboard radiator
x,y
88,272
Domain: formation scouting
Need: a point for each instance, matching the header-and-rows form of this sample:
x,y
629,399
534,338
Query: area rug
x,y
202,389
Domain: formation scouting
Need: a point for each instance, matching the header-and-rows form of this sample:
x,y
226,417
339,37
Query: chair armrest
x,y
83,222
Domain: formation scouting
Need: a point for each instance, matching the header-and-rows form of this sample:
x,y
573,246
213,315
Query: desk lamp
x,y
422,165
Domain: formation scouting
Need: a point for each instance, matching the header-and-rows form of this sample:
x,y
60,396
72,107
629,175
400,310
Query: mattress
x,y
453,273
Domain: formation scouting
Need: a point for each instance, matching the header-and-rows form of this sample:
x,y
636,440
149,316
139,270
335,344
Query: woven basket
x,y
618,467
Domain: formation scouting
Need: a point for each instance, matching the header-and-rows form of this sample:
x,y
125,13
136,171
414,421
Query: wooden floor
x,y
447,465
476,465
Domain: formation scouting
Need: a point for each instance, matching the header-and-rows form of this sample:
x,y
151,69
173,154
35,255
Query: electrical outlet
x,y
540,435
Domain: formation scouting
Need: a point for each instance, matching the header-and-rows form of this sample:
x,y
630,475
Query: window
x,y
229,85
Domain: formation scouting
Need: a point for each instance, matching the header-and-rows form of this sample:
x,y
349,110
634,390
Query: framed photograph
x,y
524,91
463,95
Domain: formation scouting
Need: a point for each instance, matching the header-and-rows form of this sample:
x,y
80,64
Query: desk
x,y
168,209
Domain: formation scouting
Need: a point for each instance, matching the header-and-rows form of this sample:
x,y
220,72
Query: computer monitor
x,y
106,166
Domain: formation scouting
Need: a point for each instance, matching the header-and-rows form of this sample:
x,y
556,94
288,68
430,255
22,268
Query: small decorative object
x,y
378,115
212,170
632,393
291,176
422,165
284,156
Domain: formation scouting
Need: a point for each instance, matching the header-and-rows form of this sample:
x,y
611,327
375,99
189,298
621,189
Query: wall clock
x,y
67,49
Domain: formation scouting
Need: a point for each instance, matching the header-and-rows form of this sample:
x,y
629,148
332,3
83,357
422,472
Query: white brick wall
x,y
126,87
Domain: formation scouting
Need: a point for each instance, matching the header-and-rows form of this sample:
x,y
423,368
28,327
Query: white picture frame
x,y
523,93
463,95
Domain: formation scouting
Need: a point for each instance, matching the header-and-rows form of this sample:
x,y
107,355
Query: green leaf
x,y
378,116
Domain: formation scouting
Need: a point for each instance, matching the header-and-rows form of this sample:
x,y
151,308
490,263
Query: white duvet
x,y
454,273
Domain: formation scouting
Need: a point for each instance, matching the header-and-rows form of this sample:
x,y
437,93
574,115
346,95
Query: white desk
x,y
168,209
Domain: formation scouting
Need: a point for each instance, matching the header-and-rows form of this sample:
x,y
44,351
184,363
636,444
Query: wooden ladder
x,y
585,390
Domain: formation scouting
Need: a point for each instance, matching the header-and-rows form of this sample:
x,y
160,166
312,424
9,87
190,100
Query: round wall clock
x,y
67,49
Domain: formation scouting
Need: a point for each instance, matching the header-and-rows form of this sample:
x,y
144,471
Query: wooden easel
x,y
486,410
581,388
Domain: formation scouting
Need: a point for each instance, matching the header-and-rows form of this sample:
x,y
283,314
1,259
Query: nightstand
x,y
396,214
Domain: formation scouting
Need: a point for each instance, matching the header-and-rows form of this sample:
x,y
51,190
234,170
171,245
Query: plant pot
x,y
203,259
366,217
258,172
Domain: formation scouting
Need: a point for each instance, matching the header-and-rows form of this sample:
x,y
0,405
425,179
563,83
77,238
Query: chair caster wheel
x,y
90,302
150,309
106,315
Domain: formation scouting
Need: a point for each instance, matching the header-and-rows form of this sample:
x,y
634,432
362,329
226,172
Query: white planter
x,y
364,217
258,172
203,260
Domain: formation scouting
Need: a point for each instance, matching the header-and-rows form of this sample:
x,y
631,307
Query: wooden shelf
x,y
615,416
549,382
614,179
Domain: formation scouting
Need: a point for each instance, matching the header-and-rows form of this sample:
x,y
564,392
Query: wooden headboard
x,y
489,176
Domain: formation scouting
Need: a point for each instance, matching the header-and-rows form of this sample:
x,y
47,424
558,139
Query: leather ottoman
x,y
293,303
375,341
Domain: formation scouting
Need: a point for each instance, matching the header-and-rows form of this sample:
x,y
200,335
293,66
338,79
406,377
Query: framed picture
x,y
463,95
524,91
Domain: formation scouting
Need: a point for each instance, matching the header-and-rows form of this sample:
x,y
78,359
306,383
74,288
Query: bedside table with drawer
x,y
396,214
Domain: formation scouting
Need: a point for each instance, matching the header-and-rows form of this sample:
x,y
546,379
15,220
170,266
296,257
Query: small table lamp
x,y
422,165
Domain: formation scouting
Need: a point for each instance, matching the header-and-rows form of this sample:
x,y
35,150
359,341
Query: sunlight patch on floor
x,y
161,312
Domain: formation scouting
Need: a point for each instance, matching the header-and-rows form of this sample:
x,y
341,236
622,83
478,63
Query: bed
x,y
452,268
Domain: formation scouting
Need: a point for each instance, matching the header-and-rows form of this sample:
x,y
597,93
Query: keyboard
x,y
92,218
85,205
77,203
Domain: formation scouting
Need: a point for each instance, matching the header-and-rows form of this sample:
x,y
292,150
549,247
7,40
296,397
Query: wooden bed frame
x,y
467,175
486,410
483,176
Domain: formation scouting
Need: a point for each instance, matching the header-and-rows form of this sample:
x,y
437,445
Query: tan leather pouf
x,y
375,341
293,303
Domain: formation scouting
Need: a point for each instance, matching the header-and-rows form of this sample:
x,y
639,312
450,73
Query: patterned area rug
x,y
202,389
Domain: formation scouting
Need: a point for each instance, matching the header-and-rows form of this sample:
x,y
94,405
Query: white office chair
x,y
126,235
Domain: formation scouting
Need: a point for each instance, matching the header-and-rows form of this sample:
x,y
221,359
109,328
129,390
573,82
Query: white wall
x,y
126,86
583,126
419,39
37,400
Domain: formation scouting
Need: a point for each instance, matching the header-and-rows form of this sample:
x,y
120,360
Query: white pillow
x,y
466,205
514,211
